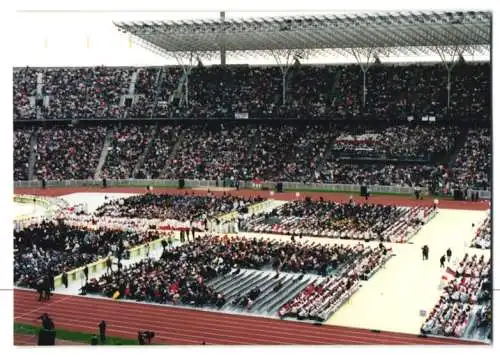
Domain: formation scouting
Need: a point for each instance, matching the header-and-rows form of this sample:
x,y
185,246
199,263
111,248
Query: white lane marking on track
x,y
43,306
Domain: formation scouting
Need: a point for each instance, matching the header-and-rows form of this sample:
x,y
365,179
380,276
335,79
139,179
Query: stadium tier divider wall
x,y
99,266
297,186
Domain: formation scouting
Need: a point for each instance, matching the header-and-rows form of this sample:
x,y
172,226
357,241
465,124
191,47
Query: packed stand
x,y
66,153
126,147
322,298
472,166
51,248
178,207
160,151
336,220
337,91
298,159
396,143
274,143
80,93
21,154
471,287
224,91
154,86
24,87
392,174
212,154
482,239
471,91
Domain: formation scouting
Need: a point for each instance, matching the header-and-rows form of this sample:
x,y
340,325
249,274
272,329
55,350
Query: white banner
x,y
241,116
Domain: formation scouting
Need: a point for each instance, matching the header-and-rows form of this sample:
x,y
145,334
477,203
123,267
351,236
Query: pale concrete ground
x,y
392,299
27,209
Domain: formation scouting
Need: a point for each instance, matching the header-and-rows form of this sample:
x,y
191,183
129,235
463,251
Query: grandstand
x,y
307,247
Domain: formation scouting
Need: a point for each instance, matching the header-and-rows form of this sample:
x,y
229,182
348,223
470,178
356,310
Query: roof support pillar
x,y
365,58
449,57
284,61
222,49
187,67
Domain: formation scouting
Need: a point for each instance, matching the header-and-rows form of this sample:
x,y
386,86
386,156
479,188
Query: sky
x,y
91,39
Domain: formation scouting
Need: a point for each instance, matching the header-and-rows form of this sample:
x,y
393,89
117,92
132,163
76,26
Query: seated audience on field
x,y
471,287
484,316
57,247
68,153
320,299
126,147
482,239
179,207
337,220
21,154
181,274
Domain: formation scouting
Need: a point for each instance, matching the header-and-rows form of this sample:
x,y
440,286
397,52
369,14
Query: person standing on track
x,y
39,289
442,260
448,254
102,331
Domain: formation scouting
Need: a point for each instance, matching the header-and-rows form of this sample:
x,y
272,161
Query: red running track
x,y
183,326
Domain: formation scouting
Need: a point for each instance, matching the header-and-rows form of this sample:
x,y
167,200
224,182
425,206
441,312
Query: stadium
x,y
205,202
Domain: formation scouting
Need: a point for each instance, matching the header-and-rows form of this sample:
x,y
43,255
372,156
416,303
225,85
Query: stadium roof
x,y
392,33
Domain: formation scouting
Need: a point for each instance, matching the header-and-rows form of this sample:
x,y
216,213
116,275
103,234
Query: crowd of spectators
x,y
154,86
290,153
226,91
89,92
472,166
331,219
179,207
65,153
160,151
21,154
452,315
319,300
127,145
205,153
304,153
396,142
482,239
55,247
24,86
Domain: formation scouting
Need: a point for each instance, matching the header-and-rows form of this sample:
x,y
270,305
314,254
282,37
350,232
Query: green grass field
x,y
79,337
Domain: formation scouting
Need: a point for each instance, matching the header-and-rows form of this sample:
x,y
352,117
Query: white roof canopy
x,y
390,34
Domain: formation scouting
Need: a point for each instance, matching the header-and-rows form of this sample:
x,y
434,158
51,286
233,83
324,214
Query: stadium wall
x,y
294,186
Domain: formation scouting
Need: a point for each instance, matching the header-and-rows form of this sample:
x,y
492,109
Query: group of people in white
x,y
323,297
482,238
341,220
471,288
